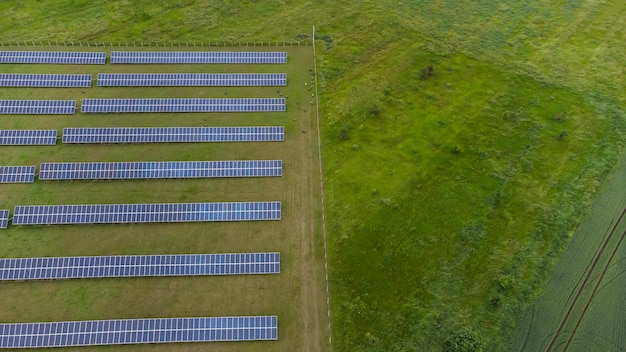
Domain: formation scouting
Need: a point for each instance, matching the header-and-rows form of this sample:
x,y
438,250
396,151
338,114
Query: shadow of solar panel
x,y
37,107
28,137
191,79
183,105
174,134
138,266
159,170
4,218
197,57
136,331
17,174
144,213
52,57
44,80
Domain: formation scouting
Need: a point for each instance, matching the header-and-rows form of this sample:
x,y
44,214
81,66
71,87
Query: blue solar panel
x,y
173,134
135,331
195,57
139,265
44,80
154,169
4,218
138,213
17,174
183,105
191,79
37,106
51,57
28,137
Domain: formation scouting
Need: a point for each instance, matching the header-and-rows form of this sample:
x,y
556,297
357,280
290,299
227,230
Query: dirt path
x,y
312,276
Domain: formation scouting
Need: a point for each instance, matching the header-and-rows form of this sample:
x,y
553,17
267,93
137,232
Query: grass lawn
x,y
450,195
297,301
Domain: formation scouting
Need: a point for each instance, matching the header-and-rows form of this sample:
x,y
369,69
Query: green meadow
x,y
462,144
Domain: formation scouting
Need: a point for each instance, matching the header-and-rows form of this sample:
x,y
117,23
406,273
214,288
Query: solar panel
x,y
28,137
37,106
136,331
183,105
144,213
191,79
138,265
44,80
51,57
4,218
173,134
161,169
197,57
17,174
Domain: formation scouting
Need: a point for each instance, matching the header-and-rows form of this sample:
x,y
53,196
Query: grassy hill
x,y
461,144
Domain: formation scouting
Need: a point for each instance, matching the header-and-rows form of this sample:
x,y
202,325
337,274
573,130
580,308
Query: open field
x,y
450,196
295,295
582,307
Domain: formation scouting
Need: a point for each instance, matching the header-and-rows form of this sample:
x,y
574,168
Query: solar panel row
x,y
136,213
173,134
197,57
4,218
154,169
37,106
139,265
190,79
44,80
51,57
17,174
183,105
28,137
134,331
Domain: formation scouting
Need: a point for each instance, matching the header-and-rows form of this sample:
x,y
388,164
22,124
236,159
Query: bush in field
x,y
505,282
344,132
427,72
374,111
463,340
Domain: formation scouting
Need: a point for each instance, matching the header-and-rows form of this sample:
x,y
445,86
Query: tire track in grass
x,y
584,283
595,289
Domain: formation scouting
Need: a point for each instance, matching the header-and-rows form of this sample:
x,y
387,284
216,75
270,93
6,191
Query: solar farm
x,y
160,199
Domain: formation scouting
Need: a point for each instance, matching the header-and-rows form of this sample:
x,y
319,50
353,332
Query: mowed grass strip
x,y
280,294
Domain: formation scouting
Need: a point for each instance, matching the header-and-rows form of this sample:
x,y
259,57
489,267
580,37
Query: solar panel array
x,y
17,174
191,79
28,137
143,213
173,134
159,169
51,57
139,265
196,57
135,331
183,105
44,80
37,106
4,218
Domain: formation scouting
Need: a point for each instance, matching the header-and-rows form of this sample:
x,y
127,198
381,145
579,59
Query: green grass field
x,y
450,197
287,295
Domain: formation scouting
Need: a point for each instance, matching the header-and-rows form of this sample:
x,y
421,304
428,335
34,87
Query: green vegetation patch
x,y
450,181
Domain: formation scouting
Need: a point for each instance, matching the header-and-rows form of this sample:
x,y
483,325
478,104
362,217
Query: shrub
x,y
463,340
